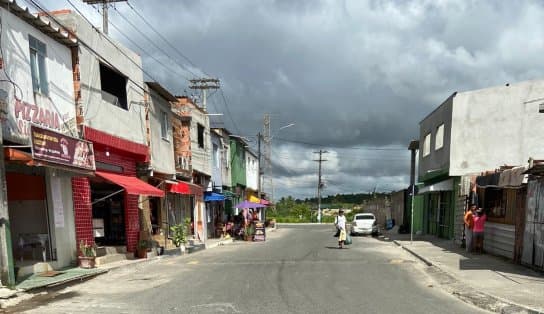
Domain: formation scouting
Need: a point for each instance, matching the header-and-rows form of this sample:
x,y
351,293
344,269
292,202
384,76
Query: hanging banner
x,y
61,149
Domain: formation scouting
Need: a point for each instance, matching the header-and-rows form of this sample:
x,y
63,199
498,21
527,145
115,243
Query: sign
x,y
17,115
260,232
61,149
58,209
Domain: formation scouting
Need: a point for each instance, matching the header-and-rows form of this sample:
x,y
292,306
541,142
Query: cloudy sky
x,y
355,77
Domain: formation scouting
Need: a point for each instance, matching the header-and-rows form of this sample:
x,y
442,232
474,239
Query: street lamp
x,y
268,142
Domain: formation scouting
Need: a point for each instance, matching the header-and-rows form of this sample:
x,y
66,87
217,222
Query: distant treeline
x,y
354,199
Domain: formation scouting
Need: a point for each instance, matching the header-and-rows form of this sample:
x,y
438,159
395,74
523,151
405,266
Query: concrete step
x,y
106,250
110,258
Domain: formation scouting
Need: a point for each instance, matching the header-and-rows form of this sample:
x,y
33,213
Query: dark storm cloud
x,y
350,73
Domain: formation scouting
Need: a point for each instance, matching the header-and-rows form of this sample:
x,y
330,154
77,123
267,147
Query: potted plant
x,y
141,248
87,255
179,236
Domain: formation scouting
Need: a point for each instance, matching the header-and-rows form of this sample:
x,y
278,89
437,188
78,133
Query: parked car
x,y
364,223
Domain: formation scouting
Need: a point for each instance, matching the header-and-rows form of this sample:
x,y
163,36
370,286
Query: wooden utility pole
x,y
203,84
105,4
319,182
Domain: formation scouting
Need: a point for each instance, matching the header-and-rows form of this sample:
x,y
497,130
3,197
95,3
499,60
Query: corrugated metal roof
x,y
40,22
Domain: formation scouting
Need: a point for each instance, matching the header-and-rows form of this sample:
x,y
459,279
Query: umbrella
x,y
248,204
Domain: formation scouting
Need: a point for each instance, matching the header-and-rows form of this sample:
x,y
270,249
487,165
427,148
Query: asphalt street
x,y
297,270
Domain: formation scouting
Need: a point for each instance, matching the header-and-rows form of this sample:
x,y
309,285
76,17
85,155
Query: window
x,y
37,66
200,136
113,86
439,137
164,125
427,145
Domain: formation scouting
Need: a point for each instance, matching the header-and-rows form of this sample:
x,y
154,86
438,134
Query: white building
x,y
38,91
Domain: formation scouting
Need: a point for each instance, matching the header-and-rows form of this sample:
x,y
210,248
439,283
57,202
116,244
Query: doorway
x,y
108,214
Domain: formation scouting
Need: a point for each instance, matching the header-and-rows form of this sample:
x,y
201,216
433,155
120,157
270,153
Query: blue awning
x,y
213,197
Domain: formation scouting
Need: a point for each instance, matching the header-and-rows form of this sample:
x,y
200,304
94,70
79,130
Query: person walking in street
x,y
469,224
478,230
341,225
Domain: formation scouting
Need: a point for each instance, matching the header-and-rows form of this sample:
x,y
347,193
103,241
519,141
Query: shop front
x,y
111,196
40,203
183,201
215,214
107,206
439,204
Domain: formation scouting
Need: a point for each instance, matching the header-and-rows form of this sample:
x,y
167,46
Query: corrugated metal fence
x,y
533,239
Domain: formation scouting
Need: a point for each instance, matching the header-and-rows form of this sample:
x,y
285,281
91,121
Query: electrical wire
x,y
42,8
339,147
166,41
154,45
228,112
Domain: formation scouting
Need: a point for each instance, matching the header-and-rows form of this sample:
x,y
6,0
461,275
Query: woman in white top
x,y
341,225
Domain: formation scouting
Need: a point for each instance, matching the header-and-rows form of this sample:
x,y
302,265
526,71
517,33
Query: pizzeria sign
x,y
58,148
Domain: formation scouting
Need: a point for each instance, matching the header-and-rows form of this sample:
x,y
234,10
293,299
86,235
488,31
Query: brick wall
x,y
132,221
82,197
83,214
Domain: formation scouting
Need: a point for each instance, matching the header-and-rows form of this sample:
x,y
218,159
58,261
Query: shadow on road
x,y
335,248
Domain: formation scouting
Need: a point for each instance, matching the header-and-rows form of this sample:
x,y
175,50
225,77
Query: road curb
x,y
420,257
466,294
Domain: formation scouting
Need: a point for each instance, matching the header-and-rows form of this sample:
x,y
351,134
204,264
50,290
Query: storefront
x,y
183,203
107,205
215,213
439,204
40,199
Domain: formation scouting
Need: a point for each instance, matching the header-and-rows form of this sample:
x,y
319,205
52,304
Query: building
x,y
238,170
41,147
468,133
161,167
111,113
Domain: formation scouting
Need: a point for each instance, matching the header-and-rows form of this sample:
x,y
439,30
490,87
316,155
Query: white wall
x,y
201,157
62,230
162,150
16,56
99,114
496,126
252,171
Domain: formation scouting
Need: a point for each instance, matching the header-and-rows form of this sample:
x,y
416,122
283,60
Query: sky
x,y
355,77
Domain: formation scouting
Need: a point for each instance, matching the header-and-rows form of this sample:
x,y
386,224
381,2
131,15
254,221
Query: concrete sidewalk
x,y
492,283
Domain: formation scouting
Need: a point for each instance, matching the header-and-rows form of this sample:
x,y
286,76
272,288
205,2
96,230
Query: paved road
x,y
298,270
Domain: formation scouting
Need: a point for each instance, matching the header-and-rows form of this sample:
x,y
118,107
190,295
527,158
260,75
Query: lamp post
x,y
267,137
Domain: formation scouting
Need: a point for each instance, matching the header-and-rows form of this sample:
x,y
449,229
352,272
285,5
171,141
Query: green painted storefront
x,y
438,209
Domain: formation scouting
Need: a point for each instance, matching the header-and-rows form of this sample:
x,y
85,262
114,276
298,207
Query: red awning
x,y
180,188
186,188
132,185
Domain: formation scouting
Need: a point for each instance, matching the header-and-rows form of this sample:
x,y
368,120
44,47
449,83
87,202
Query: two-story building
x,y
111,113
471,132
41,144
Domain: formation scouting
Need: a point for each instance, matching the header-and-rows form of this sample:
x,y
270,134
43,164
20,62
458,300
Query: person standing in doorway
x,y
469,225
341,225
479,222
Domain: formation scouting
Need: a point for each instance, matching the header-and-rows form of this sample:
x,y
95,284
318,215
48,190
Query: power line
x,y
45,11
153,43
228,112
340,147
167,42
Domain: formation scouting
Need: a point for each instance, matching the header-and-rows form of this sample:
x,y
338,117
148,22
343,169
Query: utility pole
x,y
105,4
319,182
259,184
268,183
203,84
413,147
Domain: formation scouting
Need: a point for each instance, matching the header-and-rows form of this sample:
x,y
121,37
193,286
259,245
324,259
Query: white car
x,y
365,223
